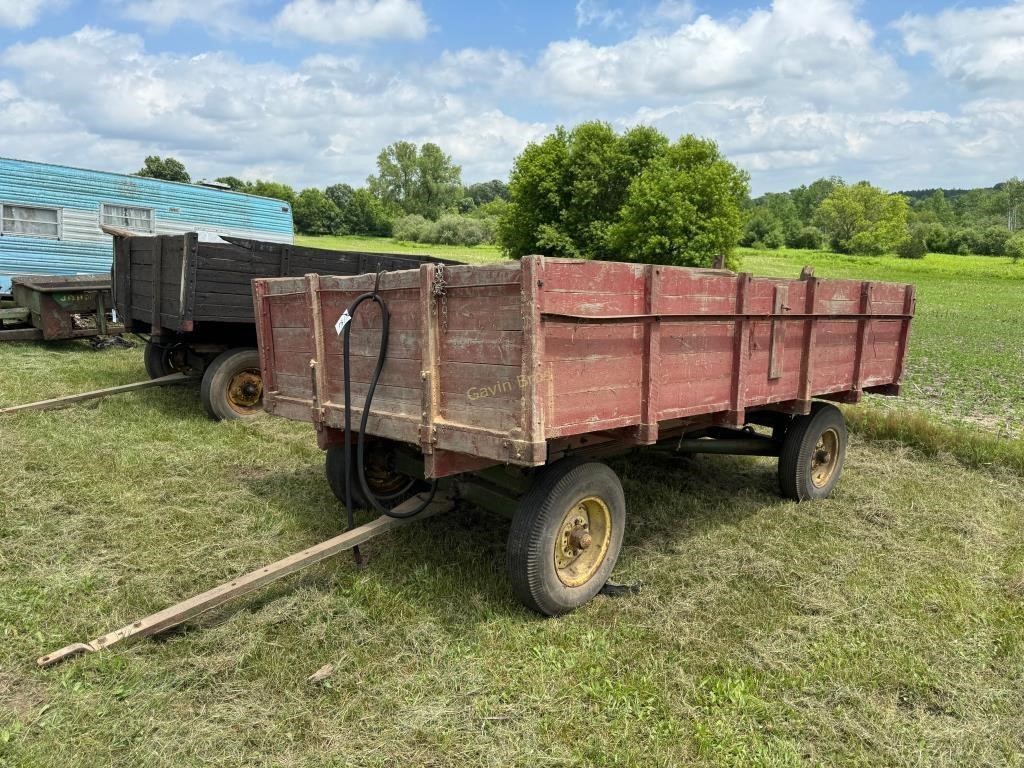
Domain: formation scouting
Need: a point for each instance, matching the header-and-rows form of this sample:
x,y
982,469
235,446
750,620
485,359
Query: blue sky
x,y
907,95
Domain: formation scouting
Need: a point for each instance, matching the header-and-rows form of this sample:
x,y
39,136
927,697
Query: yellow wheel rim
x,y
825,458
245,390
582,541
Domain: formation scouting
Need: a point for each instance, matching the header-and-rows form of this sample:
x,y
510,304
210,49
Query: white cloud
x,y
492,68
337,21
24,13
791,92
590,12
819,51
98,98
896,148
975,46
220,16
676,10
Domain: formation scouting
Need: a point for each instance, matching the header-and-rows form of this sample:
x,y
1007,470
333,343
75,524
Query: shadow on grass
x,y
452,567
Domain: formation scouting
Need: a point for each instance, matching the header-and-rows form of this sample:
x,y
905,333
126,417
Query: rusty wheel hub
x,y
582,541
245,391
825,458
381,475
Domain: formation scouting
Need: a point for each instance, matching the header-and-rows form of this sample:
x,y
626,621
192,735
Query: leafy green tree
x,y
913,246
315,214
167,168
1013,189
566,191
235,183
936,208
863,219
808,237
486,191
340,195
366,215
806,199
1015,247
416,180
684,208
763,229
772,221
272,189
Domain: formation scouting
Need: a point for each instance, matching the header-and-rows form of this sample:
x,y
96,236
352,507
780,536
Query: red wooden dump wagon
x,y
511,381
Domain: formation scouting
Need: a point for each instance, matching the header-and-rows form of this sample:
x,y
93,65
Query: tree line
x,y
417,195
591,192
863,219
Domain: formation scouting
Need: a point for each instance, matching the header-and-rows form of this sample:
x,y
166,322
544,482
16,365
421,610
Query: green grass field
x,y
881,627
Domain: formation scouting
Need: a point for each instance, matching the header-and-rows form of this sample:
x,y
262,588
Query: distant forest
x,y
860,218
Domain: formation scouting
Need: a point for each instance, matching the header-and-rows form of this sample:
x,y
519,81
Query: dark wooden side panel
x,y
223,289
150,275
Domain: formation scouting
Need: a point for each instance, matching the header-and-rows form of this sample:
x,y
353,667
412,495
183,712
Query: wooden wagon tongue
x,y
177,614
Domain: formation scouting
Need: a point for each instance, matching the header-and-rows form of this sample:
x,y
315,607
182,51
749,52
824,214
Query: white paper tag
x,y
342,322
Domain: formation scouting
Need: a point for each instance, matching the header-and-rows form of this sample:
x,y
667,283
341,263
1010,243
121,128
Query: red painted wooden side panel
x,y
720,343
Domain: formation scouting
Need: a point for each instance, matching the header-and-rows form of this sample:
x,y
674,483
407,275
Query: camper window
x,y
30,220
128,217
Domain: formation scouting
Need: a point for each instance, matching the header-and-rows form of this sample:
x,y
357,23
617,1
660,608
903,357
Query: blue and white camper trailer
x,y
51,216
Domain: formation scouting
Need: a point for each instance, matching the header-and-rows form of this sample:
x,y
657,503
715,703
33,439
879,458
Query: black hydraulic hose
x,y
375,501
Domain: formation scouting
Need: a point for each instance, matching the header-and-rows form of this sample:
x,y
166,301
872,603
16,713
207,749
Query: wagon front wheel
x,y
813,452
232,385
566,536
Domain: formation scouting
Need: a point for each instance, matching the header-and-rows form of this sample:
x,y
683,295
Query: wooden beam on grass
x,y
188,609
61,402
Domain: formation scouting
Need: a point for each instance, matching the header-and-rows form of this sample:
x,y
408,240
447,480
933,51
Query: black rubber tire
x,y
529,556
157,359
334,469
217,379
798,447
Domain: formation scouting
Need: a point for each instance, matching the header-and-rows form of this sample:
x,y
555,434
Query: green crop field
x,y
883,626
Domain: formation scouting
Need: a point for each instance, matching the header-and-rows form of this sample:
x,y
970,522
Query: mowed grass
x,y
476,255
881,627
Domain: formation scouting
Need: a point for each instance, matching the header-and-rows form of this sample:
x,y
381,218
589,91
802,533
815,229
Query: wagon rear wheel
x,y
232,385
813,452
162,358
566,536
382,477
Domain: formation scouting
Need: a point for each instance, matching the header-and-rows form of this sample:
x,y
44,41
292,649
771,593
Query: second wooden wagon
x,y
194,299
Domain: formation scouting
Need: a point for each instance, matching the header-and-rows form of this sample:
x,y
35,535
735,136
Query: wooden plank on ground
x,y
187,609
61,402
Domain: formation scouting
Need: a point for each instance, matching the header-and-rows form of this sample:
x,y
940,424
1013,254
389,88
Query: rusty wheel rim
x,y
245,391
825,458
380,475
582,542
